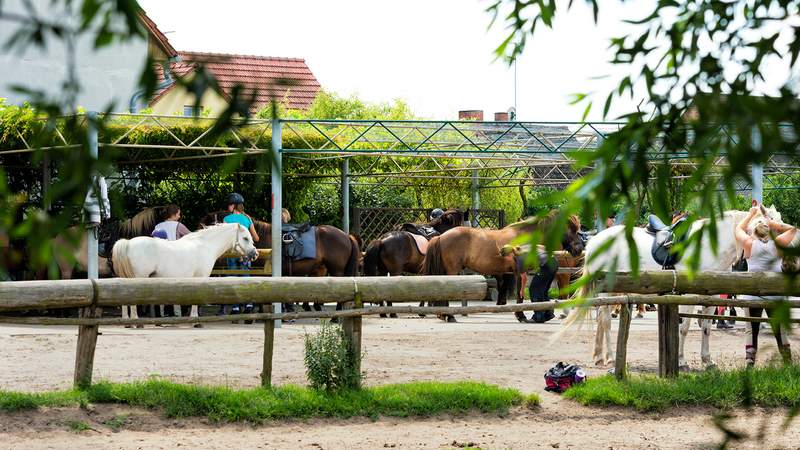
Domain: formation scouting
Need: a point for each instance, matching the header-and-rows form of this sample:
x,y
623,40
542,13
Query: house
x,y
111,75
287,80
108,75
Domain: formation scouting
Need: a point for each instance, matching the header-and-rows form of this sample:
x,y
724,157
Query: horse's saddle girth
x,y
664,239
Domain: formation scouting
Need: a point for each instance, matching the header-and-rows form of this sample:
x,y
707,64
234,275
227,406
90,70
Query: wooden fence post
x,y
269,345
667,340
87,342
352,329
620,365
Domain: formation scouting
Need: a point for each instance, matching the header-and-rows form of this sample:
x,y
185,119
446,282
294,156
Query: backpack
x,y
559,378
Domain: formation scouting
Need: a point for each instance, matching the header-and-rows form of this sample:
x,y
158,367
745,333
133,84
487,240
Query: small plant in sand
x,y
78,426
330,362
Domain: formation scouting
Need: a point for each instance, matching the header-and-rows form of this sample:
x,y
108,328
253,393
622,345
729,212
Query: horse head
x,y
244,244
450,219
572,240
212,218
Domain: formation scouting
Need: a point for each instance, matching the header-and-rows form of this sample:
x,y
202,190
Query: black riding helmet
x,y
235,199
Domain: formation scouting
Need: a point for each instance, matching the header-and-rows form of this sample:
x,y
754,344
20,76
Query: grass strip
x,y
222,404
774,386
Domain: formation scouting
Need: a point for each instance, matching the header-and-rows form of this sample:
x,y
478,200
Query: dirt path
x,y
494,349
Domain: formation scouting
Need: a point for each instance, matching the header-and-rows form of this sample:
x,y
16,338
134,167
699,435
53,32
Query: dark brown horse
x,y
479,250
338,254
398,252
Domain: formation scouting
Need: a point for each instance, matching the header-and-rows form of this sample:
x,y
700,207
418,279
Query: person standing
x,y
171,229
761,253
237,215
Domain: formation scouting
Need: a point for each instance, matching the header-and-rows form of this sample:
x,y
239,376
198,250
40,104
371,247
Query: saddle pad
x,y
422,243
308,240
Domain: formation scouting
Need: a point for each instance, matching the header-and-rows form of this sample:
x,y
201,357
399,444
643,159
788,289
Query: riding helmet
x,y
436,213
235,199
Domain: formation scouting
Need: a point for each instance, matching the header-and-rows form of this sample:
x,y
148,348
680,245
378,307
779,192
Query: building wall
x,y
172,102
106,76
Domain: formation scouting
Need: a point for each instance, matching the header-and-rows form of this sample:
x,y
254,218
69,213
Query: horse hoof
x,y
198,325
139,326
382,316
128,326
640,316
421,315
159,325
451,319
393,316
562,316
613,315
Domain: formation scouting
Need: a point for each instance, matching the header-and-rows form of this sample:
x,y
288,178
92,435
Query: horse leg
x,y
684,331
705,352
608,350
135,315
640,310
194,313
125,313
603,321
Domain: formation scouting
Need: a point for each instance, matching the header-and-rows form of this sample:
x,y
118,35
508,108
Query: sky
x,y
437,55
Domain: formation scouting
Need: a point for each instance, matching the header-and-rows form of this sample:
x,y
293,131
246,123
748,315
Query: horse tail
x,y
433,259
351,269
119,257
372,258
578,314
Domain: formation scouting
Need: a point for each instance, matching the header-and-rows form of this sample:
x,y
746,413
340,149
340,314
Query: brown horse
x,y
398,251
479,250
338,254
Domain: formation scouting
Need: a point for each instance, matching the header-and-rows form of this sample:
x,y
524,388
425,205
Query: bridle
x,y
237,247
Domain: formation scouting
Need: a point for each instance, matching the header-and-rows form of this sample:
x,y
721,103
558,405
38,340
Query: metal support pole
x,y
91,234
758,169
600,222
476,198
277,204
346,195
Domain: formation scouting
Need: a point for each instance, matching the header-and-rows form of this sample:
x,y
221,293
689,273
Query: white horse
x,y
616,257
193,255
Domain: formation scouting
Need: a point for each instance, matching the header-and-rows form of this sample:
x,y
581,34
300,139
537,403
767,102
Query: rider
x,y
237,215
436,213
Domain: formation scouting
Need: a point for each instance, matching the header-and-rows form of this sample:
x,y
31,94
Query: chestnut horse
x,y
479,250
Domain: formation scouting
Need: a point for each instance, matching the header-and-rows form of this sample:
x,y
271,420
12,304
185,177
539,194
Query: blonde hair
x,y
238,207
761,232
285,216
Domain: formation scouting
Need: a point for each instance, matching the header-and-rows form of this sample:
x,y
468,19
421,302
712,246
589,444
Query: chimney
x,y
471,114
501,117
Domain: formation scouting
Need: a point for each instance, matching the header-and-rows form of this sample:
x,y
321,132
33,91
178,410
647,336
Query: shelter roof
x,y
158,37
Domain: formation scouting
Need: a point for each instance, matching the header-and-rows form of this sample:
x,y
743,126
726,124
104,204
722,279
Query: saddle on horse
x,y
664,238
299,241
420,230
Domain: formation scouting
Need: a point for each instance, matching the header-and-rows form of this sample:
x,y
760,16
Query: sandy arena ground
x,y
492,348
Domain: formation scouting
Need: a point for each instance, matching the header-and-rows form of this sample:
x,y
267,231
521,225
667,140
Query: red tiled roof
x,y
157,35
287,80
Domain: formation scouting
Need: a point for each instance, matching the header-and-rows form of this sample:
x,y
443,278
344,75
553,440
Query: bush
x,y
330,362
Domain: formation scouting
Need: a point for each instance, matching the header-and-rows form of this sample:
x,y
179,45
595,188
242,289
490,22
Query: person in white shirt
x,y
171,228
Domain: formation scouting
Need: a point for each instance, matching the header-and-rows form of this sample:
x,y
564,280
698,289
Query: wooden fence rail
x,y
353,293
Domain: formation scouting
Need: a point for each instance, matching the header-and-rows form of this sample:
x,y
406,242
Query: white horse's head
x,y
244,244
762,219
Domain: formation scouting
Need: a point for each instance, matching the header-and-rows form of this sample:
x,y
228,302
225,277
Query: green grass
x,y
777,386
223,404
116,423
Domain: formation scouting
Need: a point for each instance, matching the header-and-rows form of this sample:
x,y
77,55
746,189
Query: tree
x,y
698,64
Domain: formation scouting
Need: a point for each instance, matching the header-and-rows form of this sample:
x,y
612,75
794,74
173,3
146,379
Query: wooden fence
x,y
353,293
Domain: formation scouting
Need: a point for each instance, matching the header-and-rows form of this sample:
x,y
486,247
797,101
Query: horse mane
x,y
142,224
539,221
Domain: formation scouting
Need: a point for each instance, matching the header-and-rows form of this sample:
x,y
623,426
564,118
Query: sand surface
x,y
491,348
